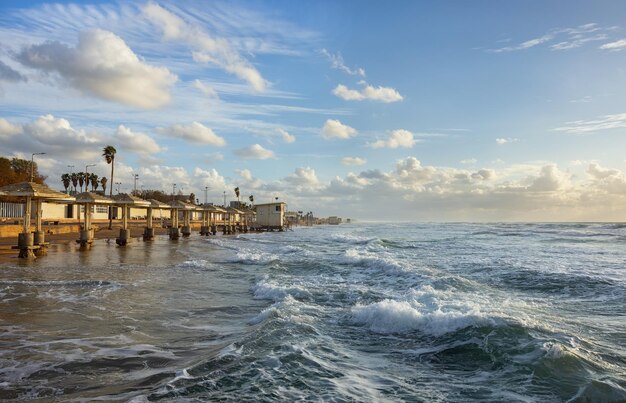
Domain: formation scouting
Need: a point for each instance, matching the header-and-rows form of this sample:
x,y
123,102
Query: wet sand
x,y
10,255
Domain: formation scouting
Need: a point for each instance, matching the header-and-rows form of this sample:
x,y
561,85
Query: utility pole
x,y
224,198
173,190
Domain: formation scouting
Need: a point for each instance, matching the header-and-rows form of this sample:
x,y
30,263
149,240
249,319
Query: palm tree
x,y
74,178
103,182
81,180
65,178
108,153
94,181
87,178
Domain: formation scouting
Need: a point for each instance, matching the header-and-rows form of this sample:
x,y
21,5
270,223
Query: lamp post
x,y
173,190
136,177
32,165
206,190
87,168
118,186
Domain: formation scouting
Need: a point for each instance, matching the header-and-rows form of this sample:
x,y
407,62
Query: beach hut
x,y
126,201
87,200
186,208
271,216
148,233
214,214
30,192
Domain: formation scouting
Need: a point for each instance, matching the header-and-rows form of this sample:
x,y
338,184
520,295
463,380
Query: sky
x,y
371,110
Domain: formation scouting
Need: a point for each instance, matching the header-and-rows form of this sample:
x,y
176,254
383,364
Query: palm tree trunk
x,y
111,193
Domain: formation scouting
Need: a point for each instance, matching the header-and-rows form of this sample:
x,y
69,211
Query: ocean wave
x,y
374,260
352,239
392,316
246,256
270,289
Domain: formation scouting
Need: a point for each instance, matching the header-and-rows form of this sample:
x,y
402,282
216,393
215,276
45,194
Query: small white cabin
x,y
271,215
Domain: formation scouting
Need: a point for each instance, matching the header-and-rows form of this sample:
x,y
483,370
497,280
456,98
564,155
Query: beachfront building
x,y
271,216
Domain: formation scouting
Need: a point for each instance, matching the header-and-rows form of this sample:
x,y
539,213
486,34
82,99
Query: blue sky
x,y
432,111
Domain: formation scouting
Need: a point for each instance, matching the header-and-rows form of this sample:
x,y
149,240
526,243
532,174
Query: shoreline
x,y
8,255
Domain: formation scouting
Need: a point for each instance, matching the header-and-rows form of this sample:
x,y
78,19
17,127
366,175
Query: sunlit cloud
x,y
334,129
254,152
397,139
103,65
368,92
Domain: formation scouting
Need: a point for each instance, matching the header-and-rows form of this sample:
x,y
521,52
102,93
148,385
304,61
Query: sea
x,y
361,312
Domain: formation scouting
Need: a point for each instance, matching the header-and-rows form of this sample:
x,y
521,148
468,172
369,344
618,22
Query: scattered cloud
x,y
254,152
8,129
584,100
368,92
206,89
502,141
337,62
138,142
334,129
103,65
209,50
353,161
562,39
397,139
304,177
194,133
469,161
605,122
287,138
9,75
616,45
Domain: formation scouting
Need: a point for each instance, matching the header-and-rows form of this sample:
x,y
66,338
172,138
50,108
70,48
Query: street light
x,y
32,165
72,168
87,168
206,190
173,190
118,186
136,177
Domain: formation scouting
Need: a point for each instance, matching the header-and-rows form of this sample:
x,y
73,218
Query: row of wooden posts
x,y
33,243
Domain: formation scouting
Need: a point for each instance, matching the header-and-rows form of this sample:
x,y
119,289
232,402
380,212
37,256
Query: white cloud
x,y
216,51
606,122
254,152
353,161
206,89
304,177
138,142
382,94
502,141
397,139
338,63
287,138
469,161
334,129
193,133
616,45
104,66
568,38
210,178
8,129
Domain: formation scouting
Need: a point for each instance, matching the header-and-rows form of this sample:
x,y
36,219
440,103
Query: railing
x,y
11,210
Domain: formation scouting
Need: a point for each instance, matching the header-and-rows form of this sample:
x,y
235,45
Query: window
x,y
278,208
102,209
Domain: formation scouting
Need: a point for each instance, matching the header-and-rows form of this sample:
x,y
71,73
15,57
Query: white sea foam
x,y
270,289
252,257
352,239
423,312
376,260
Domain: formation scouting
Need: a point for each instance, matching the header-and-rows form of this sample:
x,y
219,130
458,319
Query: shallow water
x,y
416,312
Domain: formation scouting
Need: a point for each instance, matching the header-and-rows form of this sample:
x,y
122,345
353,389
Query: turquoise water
x,y
360,312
